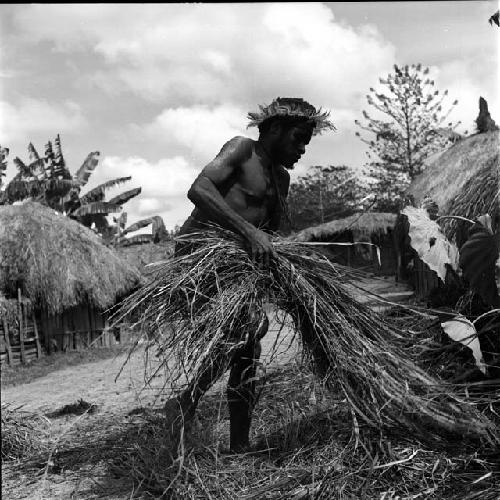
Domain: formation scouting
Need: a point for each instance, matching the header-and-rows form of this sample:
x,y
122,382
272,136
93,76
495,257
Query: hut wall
x,y
352,255
423,279
76,328
19,339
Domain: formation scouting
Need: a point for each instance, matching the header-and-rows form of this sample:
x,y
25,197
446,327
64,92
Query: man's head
x,y
286,138
286,127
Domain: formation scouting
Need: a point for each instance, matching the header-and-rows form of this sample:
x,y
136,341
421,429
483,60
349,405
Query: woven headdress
x,y
293,107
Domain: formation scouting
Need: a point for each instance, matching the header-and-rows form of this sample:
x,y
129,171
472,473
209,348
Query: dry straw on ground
x,y
194,307
22,433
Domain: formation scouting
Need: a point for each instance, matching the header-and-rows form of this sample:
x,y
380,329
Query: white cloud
x,y
164,186
34,115
460,77
213,54
200,129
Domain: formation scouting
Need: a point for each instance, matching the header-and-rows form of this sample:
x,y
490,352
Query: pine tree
x,y
324,194
409,129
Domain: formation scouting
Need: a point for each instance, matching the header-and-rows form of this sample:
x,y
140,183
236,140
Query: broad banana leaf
x,y
478,257
158,228
88,166
138,239
18,190
126,196
58,187
33,153
98,207
97,194
121,221
429,241
138,225
22,168
4,152
460,329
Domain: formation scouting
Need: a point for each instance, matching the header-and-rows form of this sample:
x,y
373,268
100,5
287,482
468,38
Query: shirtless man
x,y
243,189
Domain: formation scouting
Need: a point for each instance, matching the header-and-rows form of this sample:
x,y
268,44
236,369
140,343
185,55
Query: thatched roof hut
x,y
361,225
58,263
464,180
370,227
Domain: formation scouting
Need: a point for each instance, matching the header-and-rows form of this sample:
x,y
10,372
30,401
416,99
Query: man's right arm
x,y
205,194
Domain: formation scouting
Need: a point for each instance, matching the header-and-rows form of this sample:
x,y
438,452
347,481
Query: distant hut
x,y
65,273
464,180
370,227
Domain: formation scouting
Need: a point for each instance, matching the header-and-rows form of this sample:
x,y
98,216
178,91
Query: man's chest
x,y
258,181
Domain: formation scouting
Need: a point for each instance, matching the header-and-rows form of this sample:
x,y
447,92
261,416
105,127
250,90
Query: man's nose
x,y
301,149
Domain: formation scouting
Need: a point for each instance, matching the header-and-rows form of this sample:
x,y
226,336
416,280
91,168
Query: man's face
x,y
291,144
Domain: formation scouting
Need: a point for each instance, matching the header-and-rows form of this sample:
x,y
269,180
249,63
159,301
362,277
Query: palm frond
x,y
97,194
126,196
4,152
158,228
97,207
23,169
88,166
138,239
138,225
33,153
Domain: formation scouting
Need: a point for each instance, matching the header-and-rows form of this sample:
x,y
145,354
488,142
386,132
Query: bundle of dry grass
x,y
21,434
194,311
306,450
57,262
361,225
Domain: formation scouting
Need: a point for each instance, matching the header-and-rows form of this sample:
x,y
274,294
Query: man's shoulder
x,y
239,147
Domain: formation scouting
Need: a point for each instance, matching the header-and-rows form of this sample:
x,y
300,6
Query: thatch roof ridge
x,y
448,173
57,262
363,224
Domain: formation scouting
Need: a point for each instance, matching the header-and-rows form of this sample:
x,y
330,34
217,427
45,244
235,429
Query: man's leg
x,y
180,411
241,387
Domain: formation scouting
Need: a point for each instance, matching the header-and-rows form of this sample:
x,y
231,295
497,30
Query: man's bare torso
x,y
253,191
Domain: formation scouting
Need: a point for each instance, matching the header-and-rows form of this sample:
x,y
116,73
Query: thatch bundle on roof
x,y
361,225
464,180
56,262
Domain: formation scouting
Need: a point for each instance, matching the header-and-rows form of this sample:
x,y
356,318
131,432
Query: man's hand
x,y
260,248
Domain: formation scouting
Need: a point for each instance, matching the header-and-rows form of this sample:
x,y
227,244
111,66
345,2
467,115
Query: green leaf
x,y
478,256
460,329
98,207
138,225
126,196
138,239
429,241
97,194
88,166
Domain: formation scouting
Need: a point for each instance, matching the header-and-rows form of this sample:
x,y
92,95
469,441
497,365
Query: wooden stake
x,y
21,326
7,341
37,339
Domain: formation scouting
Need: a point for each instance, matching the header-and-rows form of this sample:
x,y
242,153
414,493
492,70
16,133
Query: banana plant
x,y
158,231
48,180
43,179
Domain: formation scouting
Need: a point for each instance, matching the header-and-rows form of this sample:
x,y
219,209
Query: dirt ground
x,y
85,475
95,383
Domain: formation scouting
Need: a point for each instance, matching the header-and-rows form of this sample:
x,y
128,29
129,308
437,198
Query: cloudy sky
x,y
159,88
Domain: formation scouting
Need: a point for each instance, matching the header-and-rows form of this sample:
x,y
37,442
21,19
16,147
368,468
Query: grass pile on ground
x,y
22,434
192,310
308,449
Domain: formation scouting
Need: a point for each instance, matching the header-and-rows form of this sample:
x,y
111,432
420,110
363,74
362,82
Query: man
x,y
244,190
